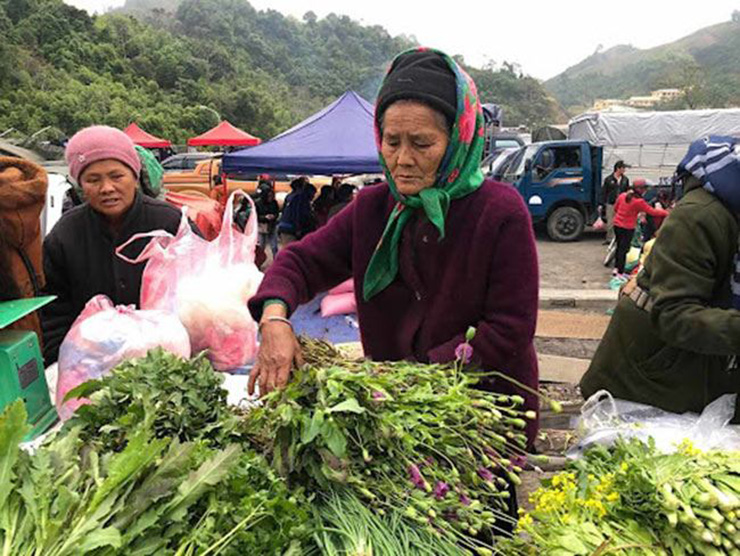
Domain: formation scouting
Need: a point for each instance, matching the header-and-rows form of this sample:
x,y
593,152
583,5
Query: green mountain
x,y
169,65
705,65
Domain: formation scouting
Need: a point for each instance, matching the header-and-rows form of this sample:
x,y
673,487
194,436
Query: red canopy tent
x,y
225,135
144,139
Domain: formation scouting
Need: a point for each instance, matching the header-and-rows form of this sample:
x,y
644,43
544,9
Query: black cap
x,y
420,75
620,164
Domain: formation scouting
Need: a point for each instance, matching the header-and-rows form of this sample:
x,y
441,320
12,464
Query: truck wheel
x,y
565,224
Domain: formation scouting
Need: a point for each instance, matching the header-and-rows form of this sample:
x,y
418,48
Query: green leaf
x,y
308,434
83,390
139,453
109,536
335,439
572,543
12,430
210,473
350,405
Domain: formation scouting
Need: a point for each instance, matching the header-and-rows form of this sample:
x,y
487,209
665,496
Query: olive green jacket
x,y
676,356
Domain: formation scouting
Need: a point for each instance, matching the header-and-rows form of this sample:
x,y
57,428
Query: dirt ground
x,y
577,265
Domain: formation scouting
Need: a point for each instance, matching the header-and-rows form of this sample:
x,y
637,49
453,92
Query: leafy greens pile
x,y
403,437
635,500
388,459
153,465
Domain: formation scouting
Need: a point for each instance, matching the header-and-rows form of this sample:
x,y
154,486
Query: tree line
x,y
174,67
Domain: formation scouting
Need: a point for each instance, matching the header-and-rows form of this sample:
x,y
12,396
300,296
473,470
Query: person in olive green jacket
x,y
673,338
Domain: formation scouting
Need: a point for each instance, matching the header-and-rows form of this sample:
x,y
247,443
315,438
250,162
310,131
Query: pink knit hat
x,y
100,142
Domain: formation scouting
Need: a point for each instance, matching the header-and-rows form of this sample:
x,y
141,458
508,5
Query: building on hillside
x,y
642,102
655,97
606,103
666,95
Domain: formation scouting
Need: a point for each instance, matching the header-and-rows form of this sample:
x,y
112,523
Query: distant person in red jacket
x,y
435,250
626,210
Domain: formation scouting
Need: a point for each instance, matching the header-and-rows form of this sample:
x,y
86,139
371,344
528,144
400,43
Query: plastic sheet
x,y
604,419
103,336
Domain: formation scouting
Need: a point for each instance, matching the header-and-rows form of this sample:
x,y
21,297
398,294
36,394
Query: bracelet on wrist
x,y
274,319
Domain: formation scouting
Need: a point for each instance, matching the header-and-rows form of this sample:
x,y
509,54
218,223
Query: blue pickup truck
x,y
559,180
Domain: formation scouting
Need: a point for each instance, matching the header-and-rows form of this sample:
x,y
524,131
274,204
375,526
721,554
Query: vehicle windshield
x,y
500,162
513,168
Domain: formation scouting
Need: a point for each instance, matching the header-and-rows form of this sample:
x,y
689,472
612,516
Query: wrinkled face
x,y
110,187
413,142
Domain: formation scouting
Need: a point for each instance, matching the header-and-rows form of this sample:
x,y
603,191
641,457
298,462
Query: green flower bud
x,y
470,333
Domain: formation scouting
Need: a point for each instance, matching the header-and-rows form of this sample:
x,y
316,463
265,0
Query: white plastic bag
x,y
604,419
206,284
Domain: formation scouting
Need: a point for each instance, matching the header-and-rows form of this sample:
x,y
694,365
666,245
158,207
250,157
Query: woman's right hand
x,y
279,351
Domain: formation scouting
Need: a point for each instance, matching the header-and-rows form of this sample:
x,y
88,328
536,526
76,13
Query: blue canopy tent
x,y
337,140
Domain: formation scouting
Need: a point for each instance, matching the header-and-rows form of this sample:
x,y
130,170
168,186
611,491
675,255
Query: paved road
x,y
575,265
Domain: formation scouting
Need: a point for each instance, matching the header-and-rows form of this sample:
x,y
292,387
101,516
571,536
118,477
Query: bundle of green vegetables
x,y
634,500
403,437
351,458
155,464
68,500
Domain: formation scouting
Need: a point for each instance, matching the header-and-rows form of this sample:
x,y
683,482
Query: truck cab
x,y
561,183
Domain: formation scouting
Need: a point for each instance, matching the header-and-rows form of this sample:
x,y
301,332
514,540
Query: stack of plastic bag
x,y
104,335
207,285
604,419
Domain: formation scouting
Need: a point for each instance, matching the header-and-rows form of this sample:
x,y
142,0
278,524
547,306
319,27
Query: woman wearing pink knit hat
x,y
79,253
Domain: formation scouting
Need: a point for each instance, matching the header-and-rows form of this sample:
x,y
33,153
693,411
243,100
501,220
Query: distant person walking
x,y
323,204
344,197
268,213
297,219
628,206
615,184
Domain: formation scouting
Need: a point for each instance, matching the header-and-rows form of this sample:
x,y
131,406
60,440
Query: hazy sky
x,y
543,37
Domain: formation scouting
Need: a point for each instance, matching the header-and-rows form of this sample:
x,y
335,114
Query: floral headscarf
x,y
458,175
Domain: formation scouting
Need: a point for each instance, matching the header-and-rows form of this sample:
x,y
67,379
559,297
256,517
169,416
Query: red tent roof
x,y
225,134
144,139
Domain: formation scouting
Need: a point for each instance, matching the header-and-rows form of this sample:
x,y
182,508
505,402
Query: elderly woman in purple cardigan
x,y
433,251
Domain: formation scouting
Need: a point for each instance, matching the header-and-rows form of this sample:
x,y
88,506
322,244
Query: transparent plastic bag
x,y
604,419
104,335
207,285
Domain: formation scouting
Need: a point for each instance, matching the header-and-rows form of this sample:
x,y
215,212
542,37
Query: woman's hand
x,y
277,354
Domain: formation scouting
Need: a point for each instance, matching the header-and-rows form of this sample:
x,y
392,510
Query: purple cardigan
x,y
483,274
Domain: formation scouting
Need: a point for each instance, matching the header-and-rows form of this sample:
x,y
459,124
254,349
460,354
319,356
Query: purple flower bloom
x,y
429,460
441,489
416,478
464,500
485,474
464,353
378,395
518,460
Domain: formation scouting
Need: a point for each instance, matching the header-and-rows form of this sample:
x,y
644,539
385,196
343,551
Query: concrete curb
x,y
594,300
554,368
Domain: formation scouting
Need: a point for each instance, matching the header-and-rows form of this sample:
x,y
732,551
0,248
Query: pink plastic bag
x,y
599,224
348,286
338,304
103,336
207,285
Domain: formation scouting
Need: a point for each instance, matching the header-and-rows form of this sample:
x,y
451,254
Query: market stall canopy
x,y
144,139
225,135
337,140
